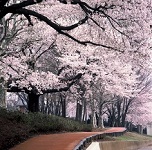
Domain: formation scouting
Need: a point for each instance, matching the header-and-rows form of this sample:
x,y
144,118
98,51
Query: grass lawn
x,y
129,136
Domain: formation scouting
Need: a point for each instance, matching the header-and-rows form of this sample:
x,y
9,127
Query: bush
x,y
12,130
45,123
16,126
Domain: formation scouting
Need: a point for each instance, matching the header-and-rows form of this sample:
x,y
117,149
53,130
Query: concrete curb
x,y
96,137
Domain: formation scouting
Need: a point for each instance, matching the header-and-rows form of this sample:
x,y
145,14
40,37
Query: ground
x,y
132,136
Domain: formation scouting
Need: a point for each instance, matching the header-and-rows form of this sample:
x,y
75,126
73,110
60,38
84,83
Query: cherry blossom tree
x,y
140,108
10,27
132,109
100,40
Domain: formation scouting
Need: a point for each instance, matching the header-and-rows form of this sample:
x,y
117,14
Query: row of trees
x,y
94,54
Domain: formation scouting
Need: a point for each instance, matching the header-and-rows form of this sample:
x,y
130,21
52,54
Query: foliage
x,y
12,130
45,123
16,126
92,22
99,42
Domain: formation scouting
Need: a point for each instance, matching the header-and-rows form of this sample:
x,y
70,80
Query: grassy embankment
x,y
128,141
129,136
16,127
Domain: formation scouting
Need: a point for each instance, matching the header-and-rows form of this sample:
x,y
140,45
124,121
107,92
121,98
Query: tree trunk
x,y
84,110
94,120
2,94
100,121
64,108
57,108
33,103
118,124
126,106
42,109
123,119
79,112
63,103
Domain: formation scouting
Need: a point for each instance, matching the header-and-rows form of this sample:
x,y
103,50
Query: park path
x,y
62,141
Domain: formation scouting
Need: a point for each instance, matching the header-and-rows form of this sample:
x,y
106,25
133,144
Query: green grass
x,y
131,136
126,138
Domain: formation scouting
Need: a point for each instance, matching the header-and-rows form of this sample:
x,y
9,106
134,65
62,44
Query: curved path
x,y
63,141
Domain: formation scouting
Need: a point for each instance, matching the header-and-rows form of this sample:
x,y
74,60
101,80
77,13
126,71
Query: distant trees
x,y
135,109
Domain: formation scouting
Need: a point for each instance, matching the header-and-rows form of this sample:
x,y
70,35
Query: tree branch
x,y
66,88
19,8
73,81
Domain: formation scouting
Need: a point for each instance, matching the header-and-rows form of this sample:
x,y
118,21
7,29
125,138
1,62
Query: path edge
x,y
83,143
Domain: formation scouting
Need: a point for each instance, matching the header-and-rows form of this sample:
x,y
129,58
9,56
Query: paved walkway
x,y
63,141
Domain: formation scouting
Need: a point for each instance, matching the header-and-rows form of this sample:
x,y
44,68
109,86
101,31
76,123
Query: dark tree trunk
x,y
118,124
79,112
84,109
57,108
33,103
42,109
63,103
123,119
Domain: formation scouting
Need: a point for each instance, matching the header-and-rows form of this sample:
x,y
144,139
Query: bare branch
x,y
97,23
89,42
50,47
